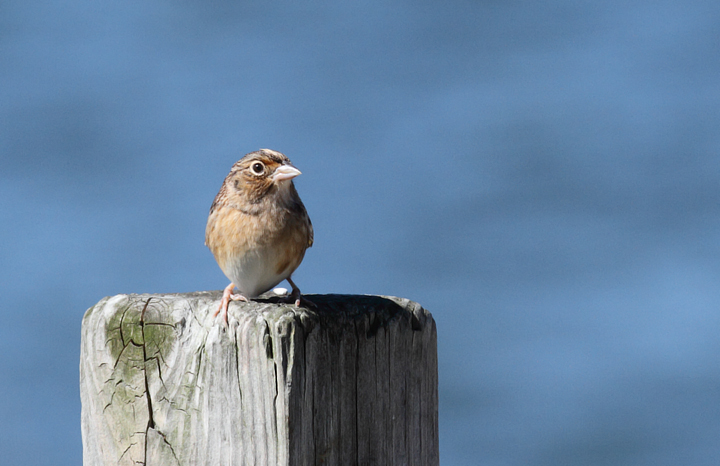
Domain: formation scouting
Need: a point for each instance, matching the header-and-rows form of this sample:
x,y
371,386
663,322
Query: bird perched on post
x,y
258,228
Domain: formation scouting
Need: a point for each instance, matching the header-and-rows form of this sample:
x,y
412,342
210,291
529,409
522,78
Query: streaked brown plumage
x,y
258,228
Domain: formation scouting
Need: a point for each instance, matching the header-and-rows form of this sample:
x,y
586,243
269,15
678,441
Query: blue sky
x,y
542,176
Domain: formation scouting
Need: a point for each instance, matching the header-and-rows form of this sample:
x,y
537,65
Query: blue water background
x,y
544,177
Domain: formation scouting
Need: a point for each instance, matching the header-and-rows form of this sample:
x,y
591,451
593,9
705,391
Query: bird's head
x,y
259,174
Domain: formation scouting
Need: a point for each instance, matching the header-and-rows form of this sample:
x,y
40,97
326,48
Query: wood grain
x,y
351,382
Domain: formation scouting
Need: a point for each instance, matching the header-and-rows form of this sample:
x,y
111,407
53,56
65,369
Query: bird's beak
x,y
285,172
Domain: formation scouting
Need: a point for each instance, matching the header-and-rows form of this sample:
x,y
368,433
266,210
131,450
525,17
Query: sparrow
x,y
258,228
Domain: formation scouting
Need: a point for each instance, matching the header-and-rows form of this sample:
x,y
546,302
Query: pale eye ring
x,y
258,168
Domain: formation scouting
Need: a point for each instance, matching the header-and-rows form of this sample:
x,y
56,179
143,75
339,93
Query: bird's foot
x,y
225,302
297,297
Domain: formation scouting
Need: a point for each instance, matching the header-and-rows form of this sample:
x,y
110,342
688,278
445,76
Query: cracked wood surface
x,y
351,382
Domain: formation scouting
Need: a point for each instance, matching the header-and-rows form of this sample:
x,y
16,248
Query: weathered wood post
x,y
353,382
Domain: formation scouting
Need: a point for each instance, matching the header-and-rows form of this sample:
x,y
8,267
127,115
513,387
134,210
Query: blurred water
x,y
542,176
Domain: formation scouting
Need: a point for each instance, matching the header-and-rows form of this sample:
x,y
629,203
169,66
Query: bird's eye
x,y
258,168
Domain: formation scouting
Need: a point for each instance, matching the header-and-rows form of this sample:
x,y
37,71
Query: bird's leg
x,y
296,295
225,302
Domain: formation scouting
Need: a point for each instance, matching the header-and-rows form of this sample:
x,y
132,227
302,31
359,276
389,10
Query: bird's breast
x,y
256,252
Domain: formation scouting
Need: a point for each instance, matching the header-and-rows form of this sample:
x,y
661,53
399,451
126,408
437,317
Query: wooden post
x,y
353,382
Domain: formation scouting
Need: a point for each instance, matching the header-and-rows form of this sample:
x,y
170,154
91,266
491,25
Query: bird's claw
x,y
225,301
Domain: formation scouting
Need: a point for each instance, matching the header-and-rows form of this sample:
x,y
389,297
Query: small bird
x,y
258,228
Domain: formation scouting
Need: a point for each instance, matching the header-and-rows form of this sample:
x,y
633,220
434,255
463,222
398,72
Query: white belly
x,y
254,273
